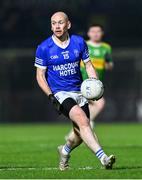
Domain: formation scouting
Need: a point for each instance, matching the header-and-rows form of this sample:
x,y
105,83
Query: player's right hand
x,y
55,102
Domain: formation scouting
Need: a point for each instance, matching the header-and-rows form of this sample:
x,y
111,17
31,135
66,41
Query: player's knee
x,y
78,116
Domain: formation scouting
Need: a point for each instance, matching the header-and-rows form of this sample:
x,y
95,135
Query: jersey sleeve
x,y
85,52
40,58
109,55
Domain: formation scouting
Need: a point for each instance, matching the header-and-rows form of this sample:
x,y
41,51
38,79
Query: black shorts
x,y
67,105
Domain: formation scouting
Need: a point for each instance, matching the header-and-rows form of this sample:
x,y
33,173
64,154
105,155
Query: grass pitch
x,y
30,151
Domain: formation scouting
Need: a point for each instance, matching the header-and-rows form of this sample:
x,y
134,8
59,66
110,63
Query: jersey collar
x,y
63,46
94,44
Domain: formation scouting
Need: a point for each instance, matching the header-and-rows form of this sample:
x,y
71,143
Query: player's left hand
x,y
55,103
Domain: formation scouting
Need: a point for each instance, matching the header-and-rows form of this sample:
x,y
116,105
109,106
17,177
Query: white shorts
x,y
77,96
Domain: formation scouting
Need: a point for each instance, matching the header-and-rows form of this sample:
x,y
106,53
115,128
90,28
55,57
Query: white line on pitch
x,y
38,168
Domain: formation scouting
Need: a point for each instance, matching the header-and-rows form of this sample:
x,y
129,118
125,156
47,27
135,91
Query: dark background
x,y
24,24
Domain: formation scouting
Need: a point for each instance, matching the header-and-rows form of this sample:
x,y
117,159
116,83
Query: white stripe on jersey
x,y
39,66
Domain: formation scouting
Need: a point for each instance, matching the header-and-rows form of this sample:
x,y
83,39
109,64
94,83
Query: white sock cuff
x,y
99,153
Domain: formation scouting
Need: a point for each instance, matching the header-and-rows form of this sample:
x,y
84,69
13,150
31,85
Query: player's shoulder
x,y
77,38
45,44
106,45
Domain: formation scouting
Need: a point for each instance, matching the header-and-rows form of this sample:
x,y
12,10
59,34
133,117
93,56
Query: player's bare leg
x,y
73,141
79,117
95,108
74,138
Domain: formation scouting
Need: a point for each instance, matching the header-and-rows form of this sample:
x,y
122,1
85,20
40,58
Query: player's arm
x,y
109,62
41,65
40,76
88,65
92,73
90,70
86,60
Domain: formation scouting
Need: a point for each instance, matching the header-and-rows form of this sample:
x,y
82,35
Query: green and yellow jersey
x,y
99,55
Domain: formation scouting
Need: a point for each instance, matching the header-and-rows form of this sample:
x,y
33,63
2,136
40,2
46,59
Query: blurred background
x,y
24,24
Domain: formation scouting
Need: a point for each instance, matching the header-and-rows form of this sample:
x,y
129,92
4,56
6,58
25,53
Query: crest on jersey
x,y
76,52
65,54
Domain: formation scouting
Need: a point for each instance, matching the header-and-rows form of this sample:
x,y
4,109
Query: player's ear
x,y
51,28
69,24
103,33
88,33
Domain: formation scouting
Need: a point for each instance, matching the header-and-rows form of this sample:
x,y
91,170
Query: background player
x,y
101,58
58,75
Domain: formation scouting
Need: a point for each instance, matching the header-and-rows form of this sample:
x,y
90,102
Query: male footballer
x,y
101,58
58,75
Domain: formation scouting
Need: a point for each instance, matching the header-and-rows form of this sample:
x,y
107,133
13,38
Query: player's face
x,y
59,25
95,34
